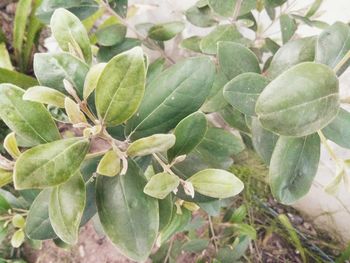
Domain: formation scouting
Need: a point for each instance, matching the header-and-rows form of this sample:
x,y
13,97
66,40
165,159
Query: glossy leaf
x,y
121,86
299,102
216,183
201,17
105,54
177,92
288,27
166,31
235,59
45,95
50,164
293,167
109,164
226,8
243,91
38,226
162,184
189,133
121,202
291,54
25,118
152,144
67,202
70,33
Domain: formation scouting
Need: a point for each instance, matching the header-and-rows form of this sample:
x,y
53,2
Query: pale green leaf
x,y
161,184
10,145
152,144
17,238
166,31
288,27
201,17
92,78
73,111
45,95
5,61
338,130
109,164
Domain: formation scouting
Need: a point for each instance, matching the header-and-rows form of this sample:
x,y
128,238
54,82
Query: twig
x,y
169,251
342,62
212,233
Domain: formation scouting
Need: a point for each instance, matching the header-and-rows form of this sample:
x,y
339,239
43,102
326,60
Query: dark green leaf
x,y
274,3
166,31
120,7
105,54
235,119
17,78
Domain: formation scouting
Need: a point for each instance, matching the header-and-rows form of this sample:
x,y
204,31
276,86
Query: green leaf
x,y
120,7
226,8
243,91
5,177
246,230
300,101
121,202
5,61
155,68
111,32
189,133
50,164
109,164
18,221
216,183
152,144
271,45
81,8
17,238
201,17
333,44
45,95
235,119
121,86
92,78
235,59
4,205
70,33
288,27
314,8
38,226
338,130
275,3
105,54
166,210
263,140
195,245
66,208
166,31
177,92
52,69
161,184
291,54
293,167
26,118
191,43
73,111
16,78
10,145
220,33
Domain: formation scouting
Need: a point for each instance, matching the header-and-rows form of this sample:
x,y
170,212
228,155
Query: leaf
x,y
81,8
263,140
105,54
4,204
17,238
314,8
111,32
235,59
333,186
332,45
45,95
5,177
245,230
177,92
120,7
195,245
166,210
271,45
38,226
161,184
216,183
275,3
235,119
293,167
25,118
220,33
5,61
300,101
109,164
10,145
291,54
201,17
52,69
74,114
166,31
69,33
18,221
288,27
189,133
66,208
226,8
154,69
121,202
50,164
243,91
92,78
121,86
152,144
191,43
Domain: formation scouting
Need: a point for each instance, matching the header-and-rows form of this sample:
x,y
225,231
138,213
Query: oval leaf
x,y
110,33
293,167
162,184
45,95
109,164
152,144
50,164
166,31
92,78
299,102
121,202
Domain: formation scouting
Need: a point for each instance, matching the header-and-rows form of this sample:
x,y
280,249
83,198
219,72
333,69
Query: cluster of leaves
x,y
137,148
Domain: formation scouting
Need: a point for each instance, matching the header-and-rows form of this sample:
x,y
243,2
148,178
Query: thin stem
x,y
237,10
328,147
342,62
212,233
165,167
84,108
169,251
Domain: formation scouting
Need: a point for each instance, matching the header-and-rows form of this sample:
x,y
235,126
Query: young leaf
x,y
26,118
121,86
50,164
17,238
166,31
293,167
45,95
69,32
177,92
92,78
18,221
121,202
66,208
235,59
216,183
73,111
109,164
161,184
300,101
5,177
189,133
10,145
288,27
38,226
152,144
243,91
